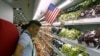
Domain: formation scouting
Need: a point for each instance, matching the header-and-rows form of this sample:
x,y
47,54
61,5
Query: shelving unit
x,y
57,51
89,21
80,21
48,42
91,51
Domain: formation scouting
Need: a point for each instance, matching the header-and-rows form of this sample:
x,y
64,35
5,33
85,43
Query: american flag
x,y
52,13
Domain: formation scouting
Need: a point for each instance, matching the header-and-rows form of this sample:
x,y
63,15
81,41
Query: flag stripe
x,y
48,15
51,14
55,15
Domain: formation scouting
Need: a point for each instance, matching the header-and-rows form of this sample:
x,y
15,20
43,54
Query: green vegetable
x,y
71,34
66,48
74,52
70,16
83,54
70,50
63,32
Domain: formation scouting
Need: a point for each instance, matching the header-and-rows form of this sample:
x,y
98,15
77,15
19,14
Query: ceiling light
x,y
21,13
65,3
17,9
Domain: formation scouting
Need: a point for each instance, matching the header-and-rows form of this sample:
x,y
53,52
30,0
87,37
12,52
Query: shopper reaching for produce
x,y
25,46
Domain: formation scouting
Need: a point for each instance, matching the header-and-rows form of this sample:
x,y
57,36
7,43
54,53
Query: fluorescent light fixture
x,y
43,5
17,9
42,18
65,3
20,13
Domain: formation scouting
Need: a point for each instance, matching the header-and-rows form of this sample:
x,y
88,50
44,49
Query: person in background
x,y
25,46
19,27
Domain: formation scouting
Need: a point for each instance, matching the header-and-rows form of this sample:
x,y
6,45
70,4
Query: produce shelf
x,y
80,21
91,51
57,51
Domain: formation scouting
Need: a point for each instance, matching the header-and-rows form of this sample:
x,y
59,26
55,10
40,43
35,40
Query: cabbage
x,y
71,34
63,32
66,48
69,50
74,51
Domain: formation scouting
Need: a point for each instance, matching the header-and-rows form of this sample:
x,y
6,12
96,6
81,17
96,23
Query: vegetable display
x,y
69,50
69,33
74,12
70,16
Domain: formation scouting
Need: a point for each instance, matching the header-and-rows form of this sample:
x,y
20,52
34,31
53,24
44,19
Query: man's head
x,y
34,27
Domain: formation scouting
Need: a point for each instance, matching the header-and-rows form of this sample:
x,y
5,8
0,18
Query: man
x,y
25,46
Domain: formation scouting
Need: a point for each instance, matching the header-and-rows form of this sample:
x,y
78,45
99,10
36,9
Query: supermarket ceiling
x,y
25,10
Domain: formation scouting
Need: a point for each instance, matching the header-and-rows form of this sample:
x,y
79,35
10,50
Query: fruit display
x,y
40,48
69,50
47,42
69,33
42,43
90,37
46,28
47,36
91,12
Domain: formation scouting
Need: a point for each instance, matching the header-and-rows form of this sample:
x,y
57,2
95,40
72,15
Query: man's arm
x,y
19,50
22,43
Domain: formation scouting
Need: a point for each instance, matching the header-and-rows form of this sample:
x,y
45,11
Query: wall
x,y
6,11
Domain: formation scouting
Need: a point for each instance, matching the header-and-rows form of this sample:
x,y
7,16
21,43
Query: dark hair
x,y
24,26
31,23
34,22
